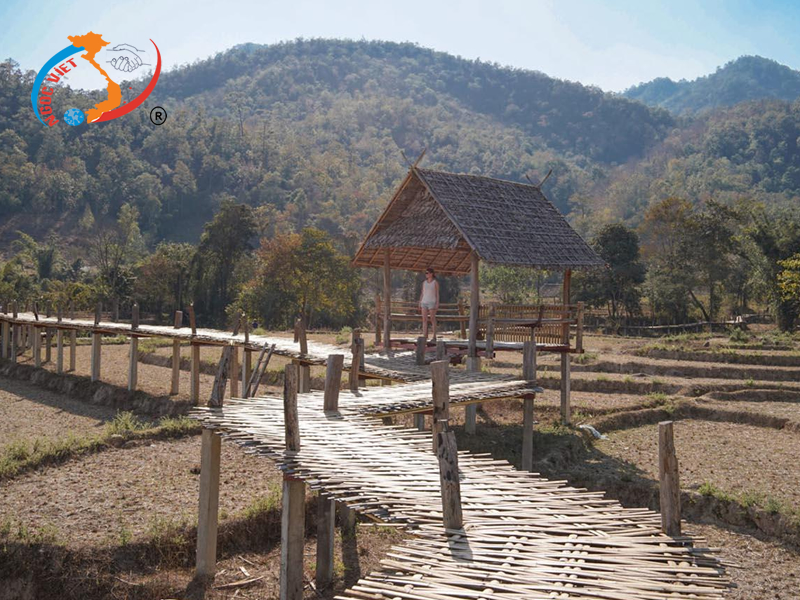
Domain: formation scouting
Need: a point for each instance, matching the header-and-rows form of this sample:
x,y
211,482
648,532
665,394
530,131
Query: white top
x,y
429,291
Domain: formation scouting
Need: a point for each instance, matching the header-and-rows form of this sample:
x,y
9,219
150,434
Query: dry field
x,y
97,505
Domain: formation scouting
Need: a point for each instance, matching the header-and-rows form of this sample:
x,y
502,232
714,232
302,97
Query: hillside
x,y
744,79
311,133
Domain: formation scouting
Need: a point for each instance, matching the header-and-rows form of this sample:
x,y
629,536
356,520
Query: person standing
x,y
429,302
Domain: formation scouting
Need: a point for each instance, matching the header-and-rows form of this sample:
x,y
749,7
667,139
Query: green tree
x,y
161,278
301,274
789,279
619,286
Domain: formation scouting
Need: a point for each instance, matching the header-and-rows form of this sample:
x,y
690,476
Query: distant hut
x,y
451,221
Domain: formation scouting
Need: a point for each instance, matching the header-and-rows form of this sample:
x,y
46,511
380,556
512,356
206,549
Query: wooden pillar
x,y
446,450
527,432
207,520
326,535
669,488
462,325
96,350
6,339
247,371
195,374
529,361
48,344
440,390
15,332
176,356
579,328
419,421
422,345
378,319
356,349
474,305
234,381
294,497
37,346
333,381
565,364
490,334
470,418
441,350
133,359
73,349
304,382
59,351
387,299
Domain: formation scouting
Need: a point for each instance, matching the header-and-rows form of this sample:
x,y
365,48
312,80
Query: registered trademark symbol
x,y
158,116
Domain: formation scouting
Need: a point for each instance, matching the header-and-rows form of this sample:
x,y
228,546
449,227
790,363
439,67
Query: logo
x,y
124,58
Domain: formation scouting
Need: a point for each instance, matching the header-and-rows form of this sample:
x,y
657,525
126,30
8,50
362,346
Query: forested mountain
x,y
744,79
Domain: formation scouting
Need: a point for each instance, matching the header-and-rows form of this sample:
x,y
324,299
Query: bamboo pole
x,y
207,520
333,381
176,356
294,496
669,488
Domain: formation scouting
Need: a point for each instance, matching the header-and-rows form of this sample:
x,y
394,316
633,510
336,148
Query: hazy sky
x,y
612,44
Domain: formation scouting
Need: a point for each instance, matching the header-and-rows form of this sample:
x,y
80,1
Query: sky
x,y
612,44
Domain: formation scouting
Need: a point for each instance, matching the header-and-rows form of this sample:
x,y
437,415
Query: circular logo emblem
x,y
158,116
74,116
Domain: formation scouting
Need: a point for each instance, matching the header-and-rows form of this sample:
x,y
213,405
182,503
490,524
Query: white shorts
x,y
428,305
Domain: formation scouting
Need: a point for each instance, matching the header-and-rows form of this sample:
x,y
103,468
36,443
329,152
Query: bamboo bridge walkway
x,y
523,536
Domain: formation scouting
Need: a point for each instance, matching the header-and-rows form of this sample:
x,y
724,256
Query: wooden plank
x,y
527,432
669,487
333,382
210,452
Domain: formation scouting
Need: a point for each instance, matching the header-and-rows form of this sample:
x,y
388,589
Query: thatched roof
x,y
437,219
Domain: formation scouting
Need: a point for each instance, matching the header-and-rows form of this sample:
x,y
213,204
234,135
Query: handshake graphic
x,y
128,59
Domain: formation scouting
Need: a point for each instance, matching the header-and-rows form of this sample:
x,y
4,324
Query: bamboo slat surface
x,y
523,536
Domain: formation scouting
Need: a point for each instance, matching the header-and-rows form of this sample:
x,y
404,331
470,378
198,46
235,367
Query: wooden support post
x,y
527,431
422,345
73,349
669,488
387,299
445,446
195,374
565,364
304,381
15,332
441,350
133,359
419,421
362,361
326,535
490,334
48,344
356,349
37,346
247,371
378,319
529,361
97,345
347,521
98,314
59,351
565,389
440,389
234,381
462,324
207,519
333,381
474,305
294,497
6,343
192,320
176,356
470,418
579,328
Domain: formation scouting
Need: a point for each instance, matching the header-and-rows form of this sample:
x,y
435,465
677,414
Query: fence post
x,y
446,450
207,520
669,488
333,381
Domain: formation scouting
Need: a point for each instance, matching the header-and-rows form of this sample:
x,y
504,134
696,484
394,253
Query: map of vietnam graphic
x,y
93,43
